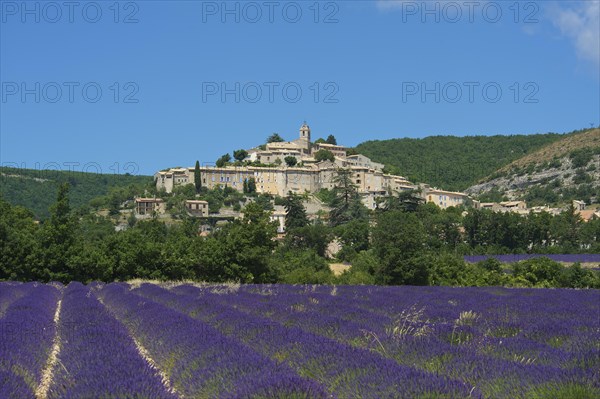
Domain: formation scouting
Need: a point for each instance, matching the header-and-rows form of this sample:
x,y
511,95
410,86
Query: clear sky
x,y
140,86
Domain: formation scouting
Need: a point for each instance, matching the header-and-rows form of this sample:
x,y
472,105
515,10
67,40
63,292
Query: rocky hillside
x,y
556,173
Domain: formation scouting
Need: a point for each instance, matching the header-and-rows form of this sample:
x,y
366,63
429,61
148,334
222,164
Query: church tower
x,y
305,138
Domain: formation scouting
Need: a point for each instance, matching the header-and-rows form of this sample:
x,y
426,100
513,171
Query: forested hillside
x,y
36,189
449,162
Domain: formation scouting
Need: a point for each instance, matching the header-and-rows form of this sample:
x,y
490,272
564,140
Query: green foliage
x,y
494,195
362,272
290,161
315,237
241,249
57,240
575,276
324,155
346,204
264,201
398,247
454,163
331,140
223,160
582,177
240,155
397,239
538,272
326,196
251,185
275,138
406,201
443,227
18,242
295,216
541,195
301,267
354,237
581,157
37,189
217,198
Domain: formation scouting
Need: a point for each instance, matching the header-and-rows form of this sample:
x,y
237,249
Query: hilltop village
x,y
306,168
302,166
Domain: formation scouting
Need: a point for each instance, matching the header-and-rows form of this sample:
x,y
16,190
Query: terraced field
x,y
275,341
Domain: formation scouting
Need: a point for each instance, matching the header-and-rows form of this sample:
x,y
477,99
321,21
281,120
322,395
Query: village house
x,y
196,208
149,206
442,198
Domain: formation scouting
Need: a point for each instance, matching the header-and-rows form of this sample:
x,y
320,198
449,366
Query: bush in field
x,y
301,267
362,271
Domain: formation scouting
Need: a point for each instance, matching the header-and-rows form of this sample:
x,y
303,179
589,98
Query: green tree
x,y
18,242
538,272
290,161
58,239
240,250
265,201
251,185
224,159
362,270
295,215
407,201
331,140
275,138
315,237
347,204
538,230
301,267
566,227
197,178
240,155
354,237
590,235
443,226
397,238
324,155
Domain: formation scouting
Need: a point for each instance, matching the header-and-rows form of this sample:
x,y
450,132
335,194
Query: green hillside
x,y
450,162
37,189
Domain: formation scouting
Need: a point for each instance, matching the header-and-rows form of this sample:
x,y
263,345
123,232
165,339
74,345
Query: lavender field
x,y
276,341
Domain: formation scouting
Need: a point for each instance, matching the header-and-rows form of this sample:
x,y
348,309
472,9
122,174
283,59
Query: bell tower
x,y
305,137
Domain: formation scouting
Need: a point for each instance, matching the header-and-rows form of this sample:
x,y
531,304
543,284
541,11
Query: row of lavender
x,y
27,331
568,258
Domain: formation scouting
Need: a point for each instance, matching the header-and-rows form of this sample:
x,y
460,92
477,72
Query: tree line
x,y
403,241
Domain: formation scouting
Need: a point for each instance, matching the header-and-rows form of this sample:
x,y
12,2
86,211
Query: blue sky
x,y
143,85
